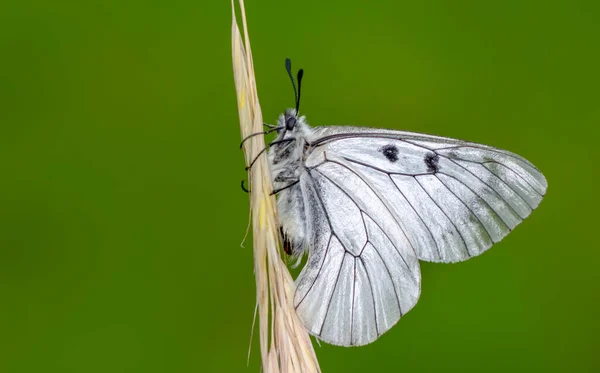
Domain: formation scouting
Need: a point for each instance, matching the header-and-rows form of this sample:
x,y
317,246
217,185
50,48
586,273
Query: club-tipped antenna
x,y
300,75
288,67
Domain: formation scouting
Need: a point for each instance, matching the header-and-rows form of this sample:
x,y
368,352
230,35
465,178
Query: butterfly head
x,y
290,119
290,123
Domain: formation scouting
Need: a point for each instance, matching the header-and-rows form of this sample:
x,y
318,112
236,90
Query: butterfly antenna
x,y
300,75
288,67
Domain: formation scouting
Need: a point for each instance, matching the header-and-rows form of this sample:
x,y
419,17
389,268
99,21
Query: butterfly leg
x,y
293,181
244,187
265,149
271,129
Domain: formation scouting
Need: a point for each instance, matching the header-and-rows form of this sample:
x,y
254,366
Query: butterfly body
x,y
286,160
368,204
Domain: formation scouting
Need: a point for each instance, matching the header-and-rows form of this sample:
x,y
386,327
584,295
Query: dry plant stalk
x,y
285,345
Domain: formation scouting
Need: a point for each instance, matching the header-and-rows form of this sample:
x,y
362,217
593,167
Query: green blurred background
x,y
121,214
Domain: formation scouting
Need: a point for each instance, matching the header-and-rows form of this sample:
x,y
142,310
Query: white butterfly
x,y
368,204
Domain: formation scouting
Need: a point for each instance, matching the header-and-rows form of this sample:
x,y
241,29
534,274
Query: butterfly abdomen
x,y
292,219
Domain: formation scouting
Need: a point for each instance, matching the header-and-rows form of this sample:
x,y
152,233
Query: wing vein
x,y
482,199
468,208
389,239
492,188
352,313
331,297
378,197
372,295
370,217
328,242
318,273
444,212
477,146
415,136
387,269
514,172
420,218
499,178
380,170
333,233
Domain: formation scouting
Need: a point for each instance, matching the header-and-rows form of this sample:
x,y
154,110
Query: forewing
x,y
362,273
452,199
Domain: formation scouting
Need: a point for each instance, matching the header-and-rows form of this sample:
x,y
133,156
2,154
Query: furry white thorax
x,y
286,161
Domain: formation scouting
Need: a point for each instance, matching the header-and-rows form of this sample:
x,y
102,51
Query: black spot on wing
x,y
390,152
431,161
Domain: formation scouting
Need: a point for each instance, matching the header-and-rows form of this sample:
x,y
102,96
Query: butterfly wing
x,y
377,201
362,274
454,199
